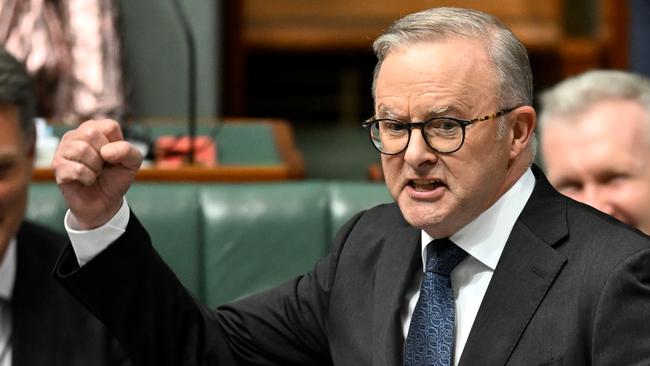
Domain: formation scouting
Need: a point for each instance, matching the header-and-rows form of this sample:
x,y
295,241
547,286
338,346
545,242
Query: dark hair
x,y
16,88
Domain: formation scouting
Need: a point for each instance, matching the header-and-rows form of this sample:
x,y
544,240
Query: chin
x,y
421,215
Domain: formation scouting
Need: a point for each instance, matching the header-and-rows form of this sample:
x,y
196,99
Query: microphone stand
x,y
191,79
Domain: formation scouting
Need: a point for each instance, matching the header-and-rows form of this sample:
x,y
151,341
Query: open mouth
x,y
425,185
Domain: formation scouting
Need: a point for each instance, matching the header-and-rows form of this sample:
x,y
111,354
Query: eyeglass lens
x,y
392,137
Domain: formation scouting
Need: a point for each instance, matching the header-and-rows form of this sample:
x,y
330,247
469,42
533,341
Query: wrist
x,y
90,219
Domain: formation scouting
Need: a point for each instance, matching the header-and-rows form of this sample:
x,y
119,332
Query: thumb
x,y
122,153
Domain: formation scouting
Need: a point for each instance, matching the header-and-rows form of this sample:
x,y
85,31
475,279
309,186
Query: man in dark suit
x,y
514,272
40,323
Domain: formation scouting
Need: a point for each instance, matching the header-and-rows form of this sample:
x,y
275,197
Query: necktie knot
x,y
442,256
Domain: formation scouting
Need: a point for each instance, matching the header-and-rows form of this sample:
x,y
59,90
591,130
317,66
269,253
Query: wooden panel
x,y
613,32
340,24
222,173
348,27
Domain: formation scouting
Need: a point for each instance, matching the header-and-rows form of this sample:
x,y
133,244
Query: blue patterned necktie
x,y
430,339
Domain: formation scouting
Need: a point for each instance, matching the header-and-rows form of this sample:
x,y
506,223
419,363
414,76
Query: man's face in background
x,y
16,158
602,157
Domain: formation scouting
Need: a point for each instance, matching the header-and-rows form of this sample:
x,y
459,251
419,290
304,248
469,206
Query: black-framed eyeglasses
x,y
443,134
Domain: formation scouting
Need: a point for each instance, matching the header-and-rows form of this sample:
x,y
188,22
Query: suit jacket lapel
x,y
399,259
525,272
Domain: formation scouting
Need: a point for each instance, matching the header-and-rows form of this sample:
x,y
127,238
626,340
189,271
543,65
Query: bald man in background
x,y
595,139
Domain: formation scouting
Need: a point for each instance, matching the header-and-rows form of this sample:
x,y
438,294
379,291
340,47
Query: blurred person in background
x,y
595,137
40,323
71,49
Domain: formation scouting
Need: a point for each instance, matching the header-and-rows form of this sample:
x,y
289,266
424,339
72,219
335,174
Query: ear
x,y
523,126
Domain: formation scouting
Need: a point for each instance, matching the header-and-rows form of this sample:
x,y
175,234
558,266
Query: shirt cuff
x,y
88,243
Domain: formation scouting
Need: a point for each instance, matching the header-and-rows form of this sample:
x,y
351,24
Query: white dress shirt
x,y
483,239
7,278
88,243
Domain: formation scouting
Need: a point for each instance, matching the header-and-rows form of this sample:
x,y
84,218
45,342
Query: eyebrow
x,y
564,182
384,112
6,157
439,110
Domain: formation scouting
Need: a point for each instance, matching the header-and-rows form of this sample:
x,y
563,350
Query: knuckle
x,y
68,135
56,164
90,134
82,149
84,175
63,175
78,170
108,125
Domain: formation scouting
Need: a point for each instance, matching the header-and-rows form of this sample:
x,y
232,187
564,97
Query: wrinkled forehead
x,y
442,76
458,45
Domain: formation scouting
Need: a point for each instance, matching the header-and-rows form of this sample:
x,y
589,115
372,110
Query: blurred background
x,y
306,62
269,90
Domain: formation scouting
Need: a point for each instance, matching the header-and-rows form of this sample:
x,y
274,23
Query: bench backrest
x,y
225,241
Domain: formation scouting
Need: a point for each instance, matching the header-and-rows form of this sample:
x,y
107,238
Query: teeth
x,y
425,185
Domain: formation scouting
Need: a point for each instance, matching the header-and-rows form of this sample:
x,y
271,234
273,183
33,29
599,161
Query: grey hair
x,y
16,88
577,94
508,55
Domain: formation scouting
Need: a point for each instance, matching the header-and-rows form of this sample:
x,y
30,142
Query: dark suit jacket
x,y
572,287
50,327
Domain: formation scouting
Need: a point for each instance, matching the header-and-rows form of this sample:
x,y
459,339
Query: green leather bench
x,y
225,241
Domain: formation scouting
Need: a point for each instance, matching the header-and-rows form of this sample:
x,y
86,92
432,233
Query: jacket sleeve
x,y
130,289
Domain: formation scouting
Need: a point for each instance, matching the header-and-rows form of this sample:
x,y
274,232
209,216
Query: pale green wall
x,y
155,56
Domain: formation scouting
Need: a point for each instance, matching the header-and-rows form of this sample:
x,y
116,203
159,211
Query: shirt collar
x,y
8,271
485,237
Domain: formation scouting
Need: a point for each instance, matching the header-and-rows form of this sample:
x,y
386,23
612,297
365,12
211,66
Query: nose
x,y
418,152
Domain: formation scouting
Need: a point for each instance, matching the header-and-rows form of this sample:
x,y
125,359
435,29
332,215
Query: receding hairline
x,y
436,24
481,45
389,42
508,56
579,94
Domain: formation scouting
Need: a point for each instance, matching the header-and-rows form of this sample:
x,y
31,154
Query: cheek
x,y
633,196
392,168
478,174
13,196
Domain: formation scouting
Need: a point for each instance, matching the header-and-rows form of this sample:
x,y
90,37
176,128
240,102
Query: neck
x,y
515,170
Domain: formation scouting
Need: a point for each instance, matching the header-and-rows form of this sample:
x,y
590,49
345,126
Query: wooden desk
x,y
283,163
